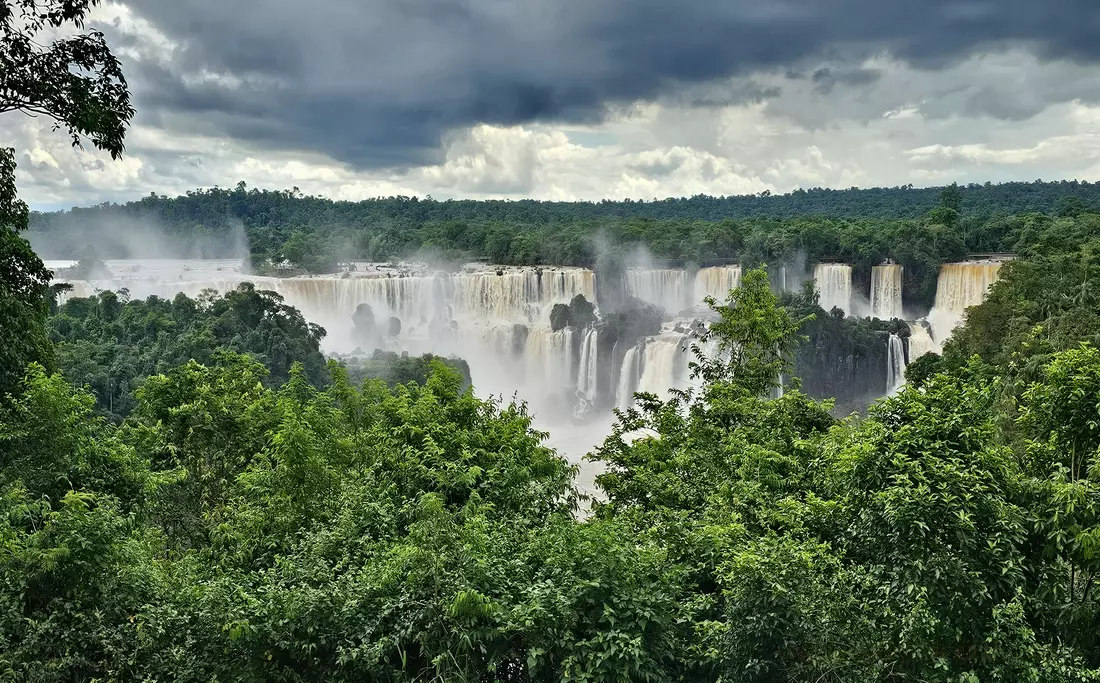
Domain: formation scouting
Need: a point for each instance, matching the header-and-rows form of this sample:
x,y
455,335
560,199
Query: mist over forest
x,y
231,222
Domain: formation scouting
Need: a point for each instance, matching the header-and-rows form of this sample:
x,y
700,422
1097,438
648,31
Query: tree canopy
x,y
77,82
111,344
236,528
198,496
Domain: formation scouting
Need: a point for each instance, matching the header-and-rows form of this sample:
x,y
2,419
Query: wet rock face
x,y
363,318
365,331
559,317
577,313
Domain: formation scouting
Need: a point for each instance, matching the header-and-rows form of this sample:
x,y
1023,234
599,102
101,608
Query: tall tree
x,y
78,83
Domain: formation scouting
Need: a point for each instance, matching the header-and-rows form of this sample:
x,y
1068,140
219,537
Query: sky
x,y
583,99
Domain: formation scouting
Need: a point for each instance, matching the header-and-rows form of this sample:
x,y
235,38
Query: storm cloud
x,y
380,84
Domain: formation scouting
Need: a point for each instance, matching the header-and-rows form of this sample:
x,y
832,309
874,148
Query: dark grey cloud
x,y
825,78
378,83
732,93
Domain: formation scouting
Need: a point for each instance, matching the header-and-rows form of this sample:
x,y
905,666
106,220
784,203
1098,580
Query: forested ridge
x,y
316,233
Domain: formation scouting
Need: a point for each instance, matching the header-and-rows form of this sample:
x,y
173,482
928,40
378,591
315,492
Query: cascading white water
x,y
665,365
667,288
717,282
895,364
495,318
886,283
661,365
587,373
920,341
481,296
628,379
518,295
834,286
960,286
502,339
549,357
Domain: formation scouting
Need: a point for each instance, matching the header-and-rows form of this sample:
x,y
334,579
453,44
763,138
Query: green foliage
x,y
755,339
74,80
1045,302
921,369
24,307
111,345
909,546
394,369
71,77
392,526
345,534
312,252
52,443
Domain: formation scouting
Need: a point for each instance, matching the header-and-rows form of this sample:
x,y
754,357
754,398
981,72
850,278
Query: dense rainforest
x,y
237,528
400,225
285,230
233,527
243,514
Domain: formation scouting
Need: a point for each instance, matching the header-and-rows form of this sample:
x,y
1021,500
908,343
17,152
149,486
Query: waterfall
x,y
664,366
834,285
716,282
507,340
886,291
548,357
519,295
920,341
79,289
412,299
587,372
895,364
960,286
628,379
665,288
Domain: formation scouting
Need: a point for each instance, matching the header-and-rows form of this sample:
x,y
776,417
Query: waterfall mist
x,y
127,238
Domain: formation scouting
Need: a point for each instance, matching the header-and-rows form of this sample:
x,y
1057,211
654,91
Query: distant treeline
x,y
918,227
